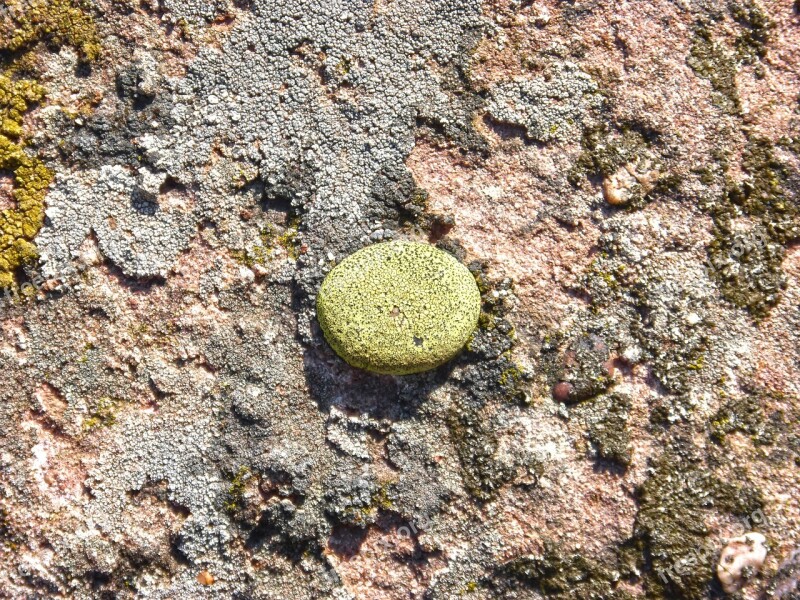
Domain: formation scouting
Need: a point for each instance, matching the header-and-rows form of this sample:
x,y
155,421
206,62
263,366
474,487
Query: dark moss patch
x,y
396,189
711,61
491,373
675,501
9,538
490,378
743,414
668,410
629,151
751,44
476,444
605,150
746,263
754,414
792,144
763,194
560,574
608,429
498,377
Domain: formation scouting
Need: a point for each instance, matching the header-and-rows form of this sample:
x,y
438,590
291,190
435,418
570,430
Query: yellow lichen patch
x,y
15,96
20,224
56,22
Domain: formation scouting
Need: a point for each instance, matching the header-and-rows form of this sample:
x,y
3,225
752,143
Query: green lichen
x,y
382,498
103,414
55,23
486,321
398,307
288,240
234,500
19,224
360,514
472,586
84,358
510,376
419,198
270,239
604,280
344,66
697,364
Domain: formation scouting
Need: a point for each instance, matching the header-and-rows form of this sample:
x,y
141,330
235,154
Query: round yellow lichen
x,y
398,307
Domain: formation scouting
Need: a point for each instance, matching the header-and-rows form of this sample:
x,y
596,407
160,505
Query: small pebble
x,y
741,558
561,391
205,578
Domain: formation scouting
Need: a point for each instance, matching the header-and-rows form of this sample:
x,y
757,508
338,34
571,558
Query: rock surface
x,y
178,177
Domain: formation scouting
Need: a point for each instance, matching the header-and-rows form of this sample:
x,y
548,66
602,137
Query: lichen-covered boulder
x,y
398,307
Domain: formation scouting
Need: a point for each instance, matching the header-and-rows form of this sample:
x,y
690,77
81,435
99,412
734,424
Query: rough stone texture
x,y
621,179
547,108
